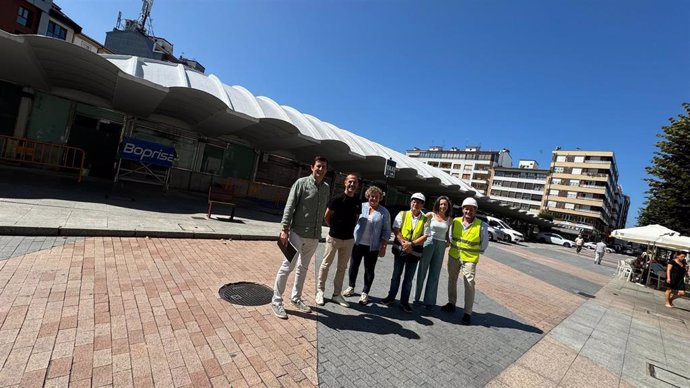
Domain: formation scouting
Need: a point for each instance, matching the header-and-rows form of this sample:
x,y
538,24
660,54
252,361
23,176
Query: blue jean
x,y
431,262
408,263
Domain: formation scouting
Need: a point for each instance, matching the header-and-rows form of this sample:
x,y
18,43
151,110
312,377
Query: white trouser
x,y
305,250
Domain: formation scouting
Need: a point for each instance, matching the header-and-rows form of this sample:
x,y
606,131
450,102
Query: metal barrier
x,y
28,151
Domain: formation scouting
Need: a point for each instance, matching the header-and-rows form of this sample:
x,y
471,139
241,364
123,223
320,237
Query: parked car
x,y
496,234
554,238
631,251
593,245
511,234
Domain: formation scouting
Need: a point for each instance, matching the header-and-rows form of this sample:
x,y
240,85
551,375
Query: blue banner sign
x,y
147,152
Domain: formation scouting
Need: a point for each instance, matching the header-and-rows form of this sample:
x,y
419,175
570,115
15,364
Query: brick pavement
x,y
135,311
142,312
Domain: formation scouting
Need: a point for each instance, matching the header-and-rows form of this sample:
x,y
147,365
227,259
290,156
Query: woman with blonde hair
x,y
372,232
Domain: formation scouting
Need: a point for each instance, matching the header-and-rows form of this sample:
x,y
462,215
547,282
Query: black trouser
x,y
370,259
407,264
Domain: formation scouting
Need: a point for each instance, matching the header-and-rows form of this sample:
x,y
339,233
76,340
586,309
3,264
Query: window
x,y
556,181
577,171
467,167
574,182
560,158
579,159
558,169
212,160
551,204
572,194
553,192
24,17
56,31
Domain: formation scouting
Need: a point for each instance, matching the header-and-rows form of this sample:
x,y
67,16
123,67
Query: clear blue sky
x,y
525,75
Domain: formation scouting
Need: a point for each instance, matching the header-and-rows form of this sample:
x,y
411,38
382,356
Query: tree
x,y
545,214
668,197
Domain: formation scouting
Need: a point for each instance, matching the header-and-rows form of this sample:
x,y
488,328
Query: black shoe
x,y
406,307
466,319
448,307
430,307
388,301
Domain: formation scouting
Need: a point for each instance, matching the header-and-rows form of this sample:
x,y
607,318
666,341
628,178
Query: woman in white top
x,y
434,251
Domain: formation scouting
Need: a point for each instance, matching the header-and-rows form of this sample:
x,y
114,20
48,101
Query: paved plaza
x,y
100,309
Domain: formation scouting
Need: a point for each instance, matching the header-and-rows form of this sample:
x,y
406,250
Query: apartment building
x,y
520,187
471,164
583,194
25,16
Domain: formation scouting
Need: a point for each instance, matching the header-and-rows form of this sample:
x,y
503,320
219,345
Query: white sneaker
x,y
297,303
279,311
349,291
340,300
364,299
319,298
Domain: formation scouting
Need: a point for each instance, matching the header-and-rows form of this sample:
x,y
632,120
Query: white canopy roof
x,y
679,243
643,234
170,93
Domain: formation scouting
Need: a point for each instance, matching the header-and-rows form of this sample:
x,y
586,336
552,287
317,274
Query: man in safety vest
x,y
469,238
408,228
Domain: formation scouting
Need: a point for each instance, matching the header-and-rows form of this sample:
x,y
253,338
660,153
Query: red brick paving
x,y
145,312
539,303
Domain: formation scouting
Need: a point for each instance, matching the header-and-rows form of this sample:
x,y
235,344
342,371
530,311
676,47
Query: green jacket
x,y
305,207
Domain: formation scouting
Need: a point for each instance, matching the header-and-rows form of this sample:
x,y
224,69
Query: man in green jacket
x,y
302,219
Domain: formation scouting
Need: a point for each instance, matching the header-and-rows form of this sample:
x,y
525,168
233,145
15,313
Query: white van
x,y
513,235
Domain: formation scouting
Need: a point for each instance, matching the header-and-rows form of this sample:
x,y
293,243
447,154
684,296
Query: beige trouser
x,y
468,270
344,249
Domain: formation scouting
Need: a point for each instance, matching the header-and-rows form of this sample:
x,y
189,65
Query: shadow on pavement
x,y
483,319
365,322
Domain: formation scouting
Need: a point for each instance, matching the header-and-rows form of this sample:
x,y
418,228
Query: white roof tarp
x,y
643,234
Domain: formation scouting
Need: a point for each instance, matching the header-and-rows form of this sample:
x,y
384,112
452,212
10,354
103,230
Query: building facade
x,y
25,16
521,187
582,192
471,164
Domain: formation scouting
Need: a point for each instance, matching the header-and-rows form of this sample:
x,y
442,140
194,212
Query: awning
x,y
170,93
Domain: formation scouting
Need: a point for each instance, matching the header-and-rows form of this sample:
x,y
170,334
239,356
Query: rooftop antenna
x,y
145,13
118,25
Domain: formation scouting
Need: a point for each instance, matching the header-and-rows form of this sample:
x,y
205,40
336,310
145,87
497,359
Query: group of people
x,y
361,231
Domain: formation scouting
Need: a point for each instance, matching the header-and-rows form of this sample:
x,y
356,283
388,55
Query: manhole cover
x,y
246,294
584,294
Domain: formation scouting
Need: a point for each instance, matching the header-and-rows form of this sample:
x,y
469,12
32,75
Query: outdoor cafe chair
x,y
657,272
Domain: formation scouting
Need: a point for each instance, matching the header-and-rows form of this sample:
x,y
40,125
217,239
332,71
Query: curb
x,y
81,232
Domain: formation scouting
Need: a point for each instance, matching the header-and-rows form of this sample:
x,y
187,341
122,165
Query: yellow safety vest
x,y
409,234
466,244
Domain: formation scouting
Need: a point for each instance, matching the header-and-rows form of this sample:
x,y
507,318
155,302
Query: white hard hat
x,y
418,196
469,201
